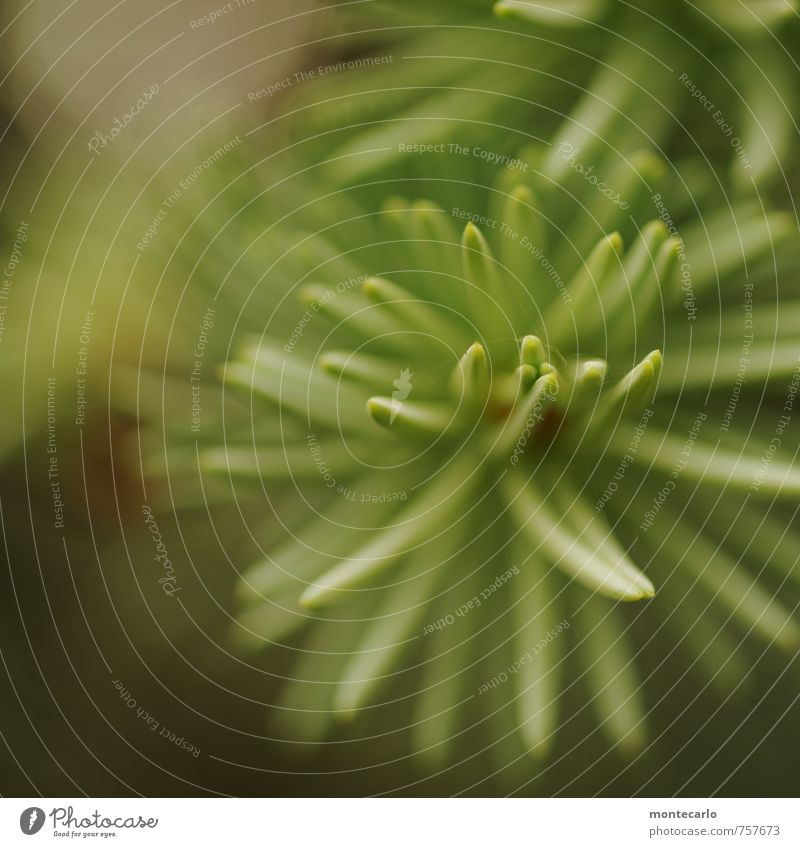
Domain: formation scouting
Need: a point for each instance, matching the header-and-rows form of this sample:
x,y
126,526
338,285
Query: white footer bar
x,y
402,822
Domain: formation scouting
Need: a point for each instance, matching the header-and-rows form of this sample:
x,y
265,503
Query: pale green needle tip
x,y
590,374
614,240
475,357
334,363
473,365
413,418
522,194
656,359
314,294
314,597
357,367
383,410
639,385
641,589
532,351
394,204
646,371
470,376
473,239
527,376
380,290
548,383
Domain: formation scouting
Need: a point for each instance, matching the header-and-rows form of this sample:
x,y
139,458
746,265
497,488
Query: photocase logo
x,y
403,388
31,820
